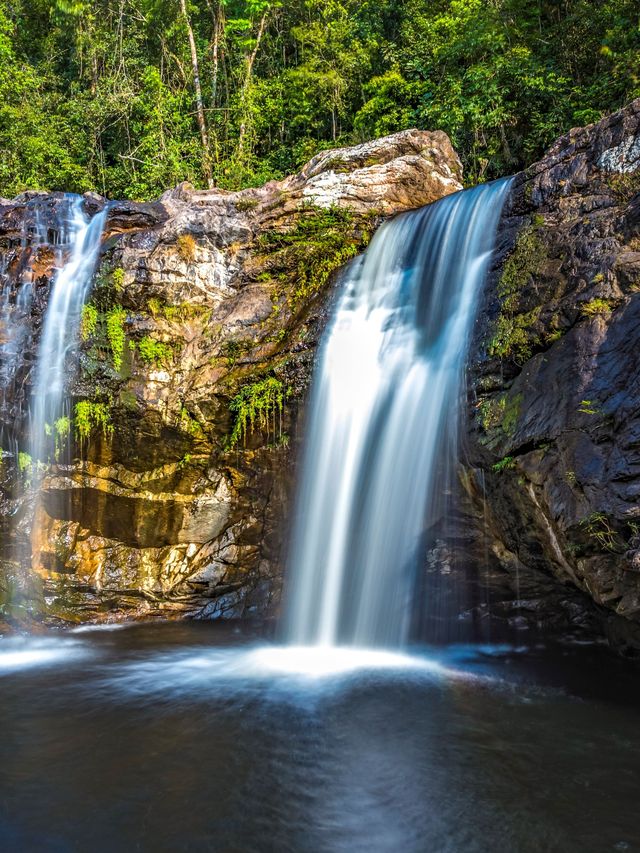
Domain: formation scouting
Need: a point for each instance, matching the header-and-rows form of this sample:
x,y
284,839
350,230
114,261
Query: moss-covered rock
x,y
171,496
554,423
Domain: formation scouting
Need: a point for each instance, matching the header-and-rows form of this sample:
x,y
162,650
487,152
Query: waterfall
x,y
61,328
381,434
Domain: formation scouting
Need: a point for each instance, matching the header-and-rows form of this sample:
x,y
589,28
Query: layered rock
x,y
196,352
554,418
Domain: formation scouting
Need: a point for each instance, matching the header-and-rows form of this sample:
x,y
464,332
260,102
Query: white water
x,y
61,324
382,432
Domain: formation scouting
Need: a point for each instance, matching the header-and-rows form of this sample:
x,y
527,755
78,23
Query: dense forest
x,y
129,97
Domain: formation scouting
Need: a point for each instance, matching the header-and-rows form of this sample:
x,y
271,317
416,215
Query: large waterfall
x,y
381,435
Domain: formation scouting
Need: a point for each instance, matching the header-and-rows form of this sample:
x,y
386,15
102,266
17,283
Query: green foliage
x,y
320,243
501,413
90,415
512,336
62,427
595,307
180,313
154,352
598,527
189,424
256,406
117,277
503,465
115,334
89,321
590,407
101,96
62,431
25,462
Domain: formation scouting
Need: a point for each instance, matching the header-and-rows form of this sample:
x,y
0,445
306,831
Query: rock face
x,y
195,355
199,345
553,435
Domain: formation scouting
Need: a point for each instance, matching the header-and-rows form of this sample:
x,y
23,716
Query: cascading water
x,y
34,407
61,328
382,430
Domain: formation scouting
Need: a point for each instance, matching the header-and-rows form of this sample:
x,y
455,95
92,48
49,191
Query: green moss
x,y
232,350
189,424
256,406
115,334
88,321
595,307
186,311
117,278
501,413
187,459
155,306
154,352
128,399
553,336
179,313
624,185
318,245
511,414
336,164
512,337
247,203
90,415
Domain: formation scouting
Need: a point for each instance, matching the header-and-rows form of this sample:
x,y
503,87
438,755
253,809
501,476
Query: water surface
x,y
197,738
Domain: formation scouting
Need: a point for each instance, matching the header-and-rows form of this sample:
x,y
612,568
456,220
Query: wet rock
x,y
554,414
214,301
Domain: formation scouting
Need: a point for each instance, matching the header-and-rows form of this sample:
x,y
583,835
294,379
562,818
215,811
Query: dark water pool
x,y
172,738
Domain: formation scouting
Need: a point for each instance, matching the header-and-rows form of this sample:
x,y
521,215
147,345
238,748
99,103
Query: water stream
x,y
61,329
381,438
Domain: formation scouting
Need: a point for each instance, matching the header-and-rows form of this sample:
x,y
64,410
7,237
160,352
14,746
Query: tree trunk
x,y
202,124
247,80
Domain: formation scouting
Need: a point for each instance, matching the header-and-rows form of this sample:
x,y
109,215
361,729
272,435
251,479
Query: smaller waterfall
x,y
383,420
61,326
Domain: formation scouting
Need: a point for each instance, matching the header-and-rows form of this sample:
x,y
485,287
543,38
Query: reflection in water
x,y
181,738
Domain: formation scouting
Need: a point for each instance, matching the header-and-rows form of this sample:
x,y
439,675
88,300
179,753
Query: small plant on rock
x,y
115,334
90,415
186,246
256,405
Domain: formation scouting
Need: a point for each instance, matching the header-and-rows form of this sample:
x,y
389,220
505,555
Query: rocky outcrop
x,y
553,432
196,352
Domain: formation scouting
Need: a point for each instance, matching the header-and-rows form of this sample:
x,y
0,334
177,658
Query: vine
x,y
89,415
256,406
